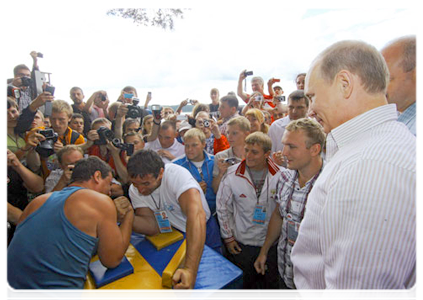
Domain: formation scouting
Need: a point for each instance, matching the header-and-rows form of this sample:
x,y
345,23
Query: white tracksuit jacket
x,y
236,201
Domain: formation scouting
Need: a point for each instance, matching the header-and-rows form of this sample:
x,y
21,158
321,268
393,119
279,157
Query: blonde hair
x,y
261,139
60,106
258,114
195,133
241,122
102,121
313,130
67,149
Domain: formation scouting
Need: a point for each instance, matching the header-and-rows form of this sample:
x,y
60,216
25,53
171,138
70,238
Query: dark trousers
x,y
251,279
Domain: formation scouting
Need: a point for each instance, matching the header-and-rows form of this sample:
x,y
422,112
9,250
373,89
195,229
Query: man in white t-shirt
x,y
166,145
166,196
297,109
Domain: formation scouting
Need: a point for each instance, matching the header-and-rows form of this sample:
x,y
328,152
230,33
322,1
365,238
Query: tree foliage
x,y
163,17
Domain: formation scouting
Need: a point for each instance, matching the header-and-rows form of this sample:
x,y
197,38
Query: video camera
x,y
134,111
46,148
106,134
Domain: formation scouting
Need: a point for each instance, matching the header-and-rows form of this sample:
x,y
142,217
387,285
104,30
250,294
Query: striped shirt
x,y
359,231
292,200
408,117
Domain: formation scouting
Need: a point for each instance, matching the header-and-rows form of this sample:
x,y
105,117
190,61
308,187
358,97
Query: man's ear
x,y
315,149
346,82
160,174
97,176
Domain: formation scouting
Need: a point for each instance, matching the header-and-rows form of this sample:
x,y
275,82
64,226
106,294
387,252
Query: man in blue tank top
x,y
59,232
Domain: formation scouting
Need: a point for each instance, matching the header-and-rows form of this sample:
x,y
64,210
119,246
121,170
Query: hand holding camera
x,y
50,144
157,113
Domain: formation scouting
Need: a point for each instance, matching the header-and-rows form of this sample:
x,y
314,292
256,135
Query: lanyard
x,y
259,188
155,203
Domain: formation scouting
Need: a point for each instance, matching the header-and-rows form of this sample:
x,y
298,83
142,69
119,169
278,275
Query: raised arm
x,y
240,91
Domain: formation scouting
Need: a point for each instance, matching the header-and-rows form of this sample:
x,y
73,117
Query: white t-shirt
x,y
176,180
177,149
276,131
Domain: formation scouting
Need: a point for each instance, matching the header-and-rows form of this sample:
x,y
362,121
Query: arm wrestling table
x,y
214,272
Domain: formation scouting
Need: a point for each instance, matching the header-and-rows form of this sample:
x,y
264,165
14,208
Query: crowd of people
x,y
313,190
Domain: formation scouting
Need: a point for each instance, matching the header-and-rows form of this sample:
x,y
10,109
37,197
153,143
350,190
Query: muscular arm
x,y
113,240
190,202
145,222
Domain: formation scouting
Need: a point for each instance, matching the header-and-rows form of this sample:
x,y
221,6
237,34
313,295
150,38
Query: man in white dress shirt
x,y
359,228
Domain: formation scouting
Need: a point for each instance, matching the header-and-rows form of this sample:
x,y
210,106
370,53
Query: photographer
x,y
58,179
60,117
257,85
185,103
215,141
96,106
20,181
22,82
15,142
99,144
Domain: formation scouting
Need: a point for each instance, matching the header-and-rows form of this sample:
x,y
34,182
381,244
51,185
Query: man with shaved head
x,y
359,228
400,56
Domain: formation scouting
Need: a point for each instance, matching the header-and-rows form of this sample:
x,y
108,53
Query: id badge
x,y
293,228
259,216
163,221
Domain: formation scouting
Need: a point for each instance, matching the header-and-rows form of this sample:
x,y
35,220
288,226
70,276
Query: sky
x,y
209,48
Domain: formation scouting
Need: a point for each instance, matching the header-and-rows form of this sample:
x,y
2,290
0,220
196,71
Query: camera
x,y
157,109
103,97
248,73
259,98
46,148
134,111
104,134
26,81
206,123
129,148
231,160
190,101
40,55
50,89
281,98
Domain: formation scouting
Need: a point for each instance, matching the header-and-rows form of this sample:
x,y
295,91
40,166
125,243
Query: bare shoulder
x,y
34,205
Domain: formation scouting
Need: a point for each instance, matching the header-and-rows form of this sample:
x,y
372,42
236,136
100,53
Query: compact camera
x,y
206,123
231,160
46,148
157,109
281,98
134,111
248,73
50,89
259,98
190,101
